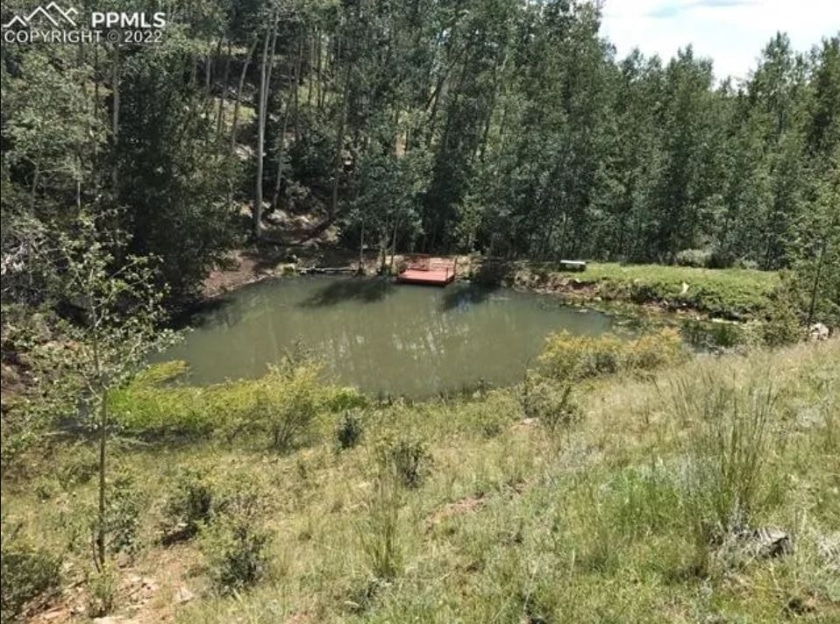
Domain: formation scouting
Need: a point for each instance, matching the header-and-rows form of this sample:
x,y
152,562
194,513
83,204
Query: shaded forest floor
x,y
509,519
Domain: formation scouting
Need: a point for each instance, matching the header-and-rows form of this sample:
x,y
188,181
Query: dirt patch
x,y
141,598
243,268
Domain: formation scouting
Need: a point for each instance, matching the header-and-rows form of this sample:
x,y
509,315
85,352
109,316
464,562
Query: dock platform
x,y
428,271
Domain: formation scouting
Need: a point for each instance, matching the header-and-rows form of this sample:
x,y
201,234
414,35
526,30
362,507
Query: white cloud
x,y
730,32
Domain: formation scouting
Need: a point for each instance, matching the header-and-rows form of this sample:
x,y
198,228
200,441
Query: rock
x,y
828,547
770,543
183,595
274,218
818,332
108,619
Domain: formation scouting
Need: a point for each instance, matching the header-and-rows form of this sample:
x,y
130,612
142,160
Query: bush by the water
x,y
572,358
281,405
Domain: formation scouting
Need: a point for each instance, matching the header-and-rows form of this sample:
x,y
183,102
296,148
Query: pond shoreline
x,y
659,291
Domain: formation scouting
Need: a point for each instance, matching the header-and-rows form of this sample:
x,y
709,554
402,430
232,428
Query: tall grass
x,y
727,450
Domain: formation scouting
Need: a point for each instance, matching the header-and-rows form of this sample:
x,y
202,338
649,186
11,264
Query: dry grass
x,y
509,526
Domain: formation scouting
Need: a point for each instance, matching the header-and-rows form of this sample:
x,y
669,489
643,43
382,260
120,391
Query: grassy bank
x,y
722,293
736,294
650,493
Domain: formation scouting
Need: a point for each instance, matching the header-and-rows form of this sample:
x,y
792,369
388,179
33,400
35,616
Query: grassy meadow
x,y
633,485
723,293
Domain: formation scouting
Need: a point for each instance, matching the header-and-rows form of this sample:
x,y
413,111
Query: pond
x,y
383,338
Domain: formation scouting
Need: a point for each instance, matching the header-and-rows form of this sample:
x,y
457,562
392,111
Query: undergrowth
x,y
464,509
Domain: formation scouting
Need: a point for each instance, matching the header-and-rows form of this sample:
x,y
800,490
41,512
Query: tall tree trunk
x,y
208,66
278,180
240,87
815,288
339,144
220,118
298,71
361,270
309,66
102,468
393,246
263,106
115,113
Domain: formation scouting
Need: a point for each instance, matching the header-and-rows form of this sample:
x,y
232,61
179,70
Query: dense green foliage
x,y
506,127
502,127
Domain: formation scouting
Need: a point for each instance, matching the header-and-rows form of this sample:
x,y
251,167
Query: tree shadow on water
x,y
365,290
490,276
464,296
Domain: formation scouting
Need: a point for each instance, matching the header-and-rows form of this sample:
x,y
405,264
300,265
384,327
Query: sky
x,y
730,32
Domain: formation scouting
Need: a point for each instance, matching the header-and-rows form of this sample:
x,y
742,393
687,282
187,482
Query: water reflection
x,y
408,340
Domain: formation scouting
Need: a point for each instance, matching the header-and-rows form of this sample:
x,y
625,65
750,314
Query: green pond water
x,y
381,337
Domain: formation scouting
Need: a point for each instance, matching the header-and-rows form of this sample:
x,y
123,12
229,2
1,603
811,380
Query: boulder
x,y
818,332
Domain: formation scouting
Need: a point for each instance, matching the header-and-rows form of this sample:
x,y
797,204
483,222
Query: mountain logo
x,y
52,13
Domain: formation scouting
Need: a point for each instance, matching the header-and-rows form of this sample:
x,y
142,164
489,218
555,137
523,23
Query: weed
x,y
552,403
727,451
102,586
379,533
406,459
349,431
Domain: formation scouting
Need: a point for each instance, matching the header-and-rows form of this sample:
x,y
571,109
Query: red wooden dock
x,y
428,271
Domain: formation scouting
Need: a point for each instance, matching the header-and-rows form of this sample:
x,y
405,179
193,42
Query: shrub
x,y
189,507
552,403
25,573
653,351
80,467
283,405
782,323
349,431
713,335
280,404
122,515
492,272
407,460
572,358
699,258
569,358
235,548
235,543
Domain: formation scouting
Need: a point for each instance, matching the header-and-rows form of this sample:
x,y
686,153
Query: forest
x,y
502,127
678,464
